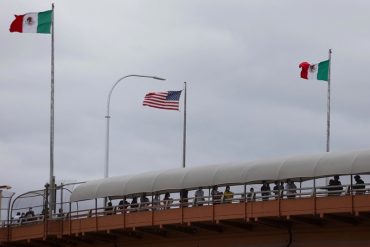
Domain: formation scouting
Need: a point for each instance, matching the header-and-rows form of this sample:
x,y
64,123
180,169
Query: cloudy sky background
x,y
240,59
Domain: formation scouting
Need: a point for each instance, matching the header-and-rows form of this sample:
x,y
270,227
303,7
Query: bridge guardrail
x,y
303,192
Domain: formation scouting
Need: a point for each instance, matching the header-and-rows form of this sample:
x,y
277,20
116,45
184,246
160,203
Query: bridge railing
x,y
208,200
303,192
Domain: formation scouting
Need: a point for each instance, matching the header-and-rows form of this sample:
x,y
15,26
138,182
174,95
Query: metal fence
x,y
94,208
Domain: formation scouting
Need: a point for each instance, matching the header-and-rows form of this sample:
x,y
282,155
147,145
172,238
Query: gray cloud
x,y
240,59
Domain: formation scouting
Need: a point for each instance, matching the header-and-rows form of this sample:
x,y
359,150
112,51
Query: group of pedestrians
x,y
227,196
290,190
335,187
281,189
142,205
24,216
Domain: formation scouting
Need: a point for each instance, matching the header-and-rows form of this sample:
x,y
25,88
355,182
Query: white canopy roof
x,y
296,167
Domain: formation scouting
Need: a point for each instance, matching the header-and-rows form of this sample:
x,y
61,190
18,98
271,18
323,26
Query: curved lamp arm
x,y
119,80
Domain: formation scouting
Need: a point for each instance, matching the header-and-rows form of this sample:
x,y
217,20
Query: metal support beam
x,y
181,228
126,233
348,219
101,236
275,223
311,220
209,227
237,224
154,231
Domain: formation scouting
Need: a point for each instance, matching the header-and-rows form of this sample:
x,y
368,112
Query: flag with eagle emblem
x,y
32,22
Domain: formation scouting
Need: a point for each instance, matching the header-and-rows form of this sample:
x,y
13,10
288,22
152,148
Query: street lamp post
x,y
106,168
2,187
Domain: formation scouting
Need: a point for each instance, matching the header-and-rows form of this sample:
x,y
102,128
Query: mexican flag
x,y
32,22
318,71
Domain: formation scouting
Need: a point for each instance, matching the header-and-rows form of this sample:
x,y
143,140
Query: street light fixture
x,y
106,168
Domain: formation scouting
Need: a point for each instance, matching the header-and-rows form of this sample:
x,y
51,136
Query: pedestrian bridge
x,y
315,215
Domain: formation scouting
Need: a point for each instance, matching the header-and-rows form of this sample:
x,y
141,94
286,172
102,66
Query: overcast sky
x,y
240,59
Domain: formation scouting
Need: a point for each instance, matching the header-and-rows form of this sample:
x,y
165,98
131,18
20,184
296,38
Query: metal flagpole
x,y
52,178
184,136
328,113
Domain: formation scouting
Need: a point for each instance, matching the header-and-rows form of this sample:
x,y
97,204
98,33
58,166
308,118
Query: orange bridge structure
x,y
309,215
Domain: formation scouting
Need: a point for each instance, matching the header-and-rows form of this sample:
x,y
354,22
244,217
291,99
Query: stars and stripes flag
x,y
163,100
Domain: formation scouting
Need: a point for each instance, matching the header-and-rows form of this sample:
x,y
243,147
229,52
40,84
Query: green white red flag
x,y
39,22
318,71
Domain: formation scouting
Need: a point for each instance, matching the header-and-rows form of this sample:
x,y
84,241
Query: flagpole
x,y
52,178
184,133
328,108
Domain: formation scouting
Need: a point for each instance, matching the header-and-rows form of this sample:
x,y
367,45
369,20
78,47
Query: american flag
x,y
163,100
